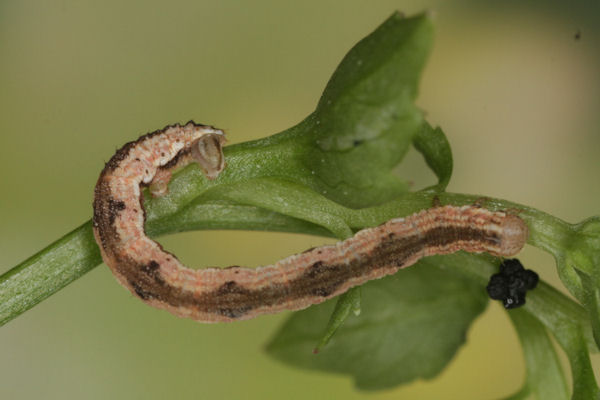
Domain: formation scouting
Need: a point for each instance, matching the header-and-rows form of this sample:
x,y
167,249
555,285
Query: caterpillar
x,y
296,282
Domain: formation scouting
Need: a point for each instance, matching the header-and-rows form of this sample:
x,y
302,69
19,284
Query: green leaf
x,y
545,378
570,325
434,147
583,255
573,342
375,84
367,113
346,303
591,302
410,327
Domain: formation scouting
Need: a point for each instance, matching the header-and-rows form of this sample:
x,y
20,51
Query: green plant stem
x,y
48,271
77,253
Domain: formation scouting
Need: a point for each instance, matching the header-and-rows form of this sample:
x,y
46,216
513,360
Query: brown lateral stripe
x,y
296,282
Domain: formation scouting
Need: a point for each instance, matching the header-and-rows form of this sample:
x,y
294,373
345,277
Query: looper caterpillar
x,y
296,282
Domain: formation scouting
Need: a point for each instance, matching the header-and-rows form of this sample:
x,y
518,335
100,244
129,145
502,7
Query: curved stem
x,y
76,253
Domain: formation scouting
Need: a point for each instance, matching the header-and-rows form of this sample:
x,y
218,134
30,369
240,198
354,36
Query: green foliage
x,y
331,175
434,147
349,301
545,378
397,337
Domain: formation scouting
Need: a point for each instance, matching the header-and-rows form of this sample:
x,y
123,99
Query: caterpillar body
x,y
296,282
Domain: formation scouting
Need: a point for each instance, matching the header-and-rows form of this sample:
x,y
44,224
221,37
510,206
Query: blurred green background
x,y
516,93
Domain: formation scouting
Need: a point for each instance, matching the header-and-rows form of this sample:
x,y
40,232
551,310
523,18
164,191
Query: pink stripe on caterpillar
x,y
296,282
